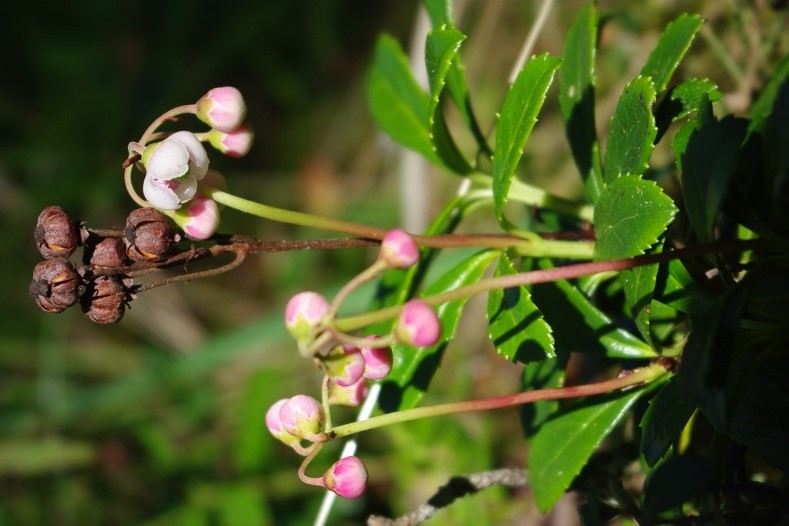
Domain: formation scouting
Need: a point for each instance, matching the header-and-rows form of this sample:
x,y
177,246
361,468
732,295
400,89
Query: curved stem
x,y
633,378
313,452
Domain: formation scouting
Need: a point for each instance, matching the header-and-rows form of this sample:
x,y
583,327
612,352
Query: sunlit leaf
x,y
632,131
441,52
564,443
515,324
672,46
579,326
577,97
398,104
517,118
630,216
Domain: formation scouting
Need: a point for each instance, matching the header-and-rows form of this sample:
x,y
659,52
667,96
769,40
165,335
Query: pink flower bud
x,y
344,365
234,143
303,315
347,478
377,362
418,325
302,416
349,396
398,250
199,218
274,424
222,108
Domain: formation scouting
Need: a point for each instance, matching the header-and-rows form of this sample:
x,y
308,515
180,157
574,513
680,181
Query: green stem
x,y
537,197
633,378
536,247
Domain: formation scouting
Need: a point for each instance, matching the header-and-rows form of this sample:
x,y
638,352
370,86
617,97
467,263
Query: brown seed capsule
x,y
108,253
56,285
55,233
105,300
148,235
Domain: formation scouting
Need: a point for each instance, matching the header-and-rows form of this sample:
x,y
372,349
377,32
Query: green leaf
x,y
564,444
398,104
515,324
517,118
630,216
632,132
413,368
577,97
664,420
440,12
579,326
677,288
672,46
708,163
441,52
683,100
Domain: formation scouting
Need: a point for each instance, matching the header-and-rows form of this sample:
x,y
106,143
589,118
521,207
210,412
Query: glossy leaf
x,y
632,132
441,51
630,216
677,288
564,443
398,104
577,97
515,324
579,326
517,118
708,163
672,46
661,425
413,368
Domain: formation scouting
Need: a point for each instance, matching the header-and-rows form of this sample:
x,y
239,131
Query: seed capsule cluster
x,y
102,284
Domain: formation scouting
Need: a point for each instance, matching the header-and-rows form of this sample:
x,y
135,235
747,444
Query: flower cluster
x,y
348,362
176,165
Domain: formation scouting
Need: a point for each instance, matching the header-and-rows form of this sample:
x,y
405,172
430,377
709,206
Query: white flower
x,y
173,169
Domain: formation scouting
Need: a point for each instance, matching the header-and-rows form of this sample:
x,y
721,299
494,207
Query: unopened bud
x,y
347,478
148,235
222,108
418,325
56,285
236,143
377,362
302,416
304,314
55,233
398,250
274,424
349,396
344,365
105,300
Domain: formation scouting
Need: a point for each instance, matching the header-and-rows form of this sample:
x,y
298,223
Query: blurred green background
x,y
159,419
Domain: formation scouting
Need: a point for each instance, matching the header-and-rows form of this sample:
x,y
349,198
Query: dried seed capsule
x,y
55,233
56,285
105,300
108,253
148,235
